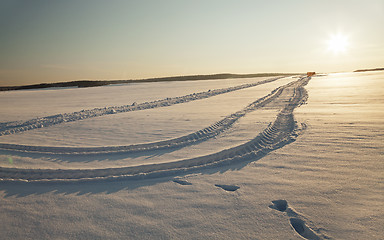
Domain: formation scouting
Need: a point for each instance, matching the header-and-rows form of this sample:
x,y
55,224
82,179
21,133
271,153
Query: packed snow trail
x,y
198,136
283,131
8,128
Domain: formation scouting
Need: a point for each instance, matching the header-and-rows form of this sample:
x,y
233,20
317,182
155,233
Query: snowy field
x,y
258,158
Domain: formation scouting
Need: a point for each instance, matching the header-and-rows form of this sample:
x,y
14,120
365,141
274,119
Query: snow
x,y
24,105
332,174
9,128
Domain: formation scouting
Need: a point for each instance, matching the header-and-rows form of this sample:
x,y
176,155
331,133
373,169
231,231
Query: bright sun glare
x,y
338,43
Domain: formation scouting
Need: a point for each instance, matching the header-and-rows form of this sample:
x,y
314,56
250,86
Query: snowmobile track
x,y
198,136
283,131
8,128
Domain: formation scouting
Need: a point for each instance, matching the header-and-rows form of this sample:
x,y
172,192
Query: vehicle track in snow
x,y
8,128
281,132
193,138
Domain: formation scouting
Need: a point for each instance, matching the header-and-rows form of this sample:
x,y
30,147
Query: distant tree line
x,y
96,83
368,70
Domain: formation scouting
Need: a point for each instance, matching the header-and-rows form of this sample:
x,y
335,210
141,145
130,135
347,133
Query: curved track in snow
x,y
8,128
198,136
281,132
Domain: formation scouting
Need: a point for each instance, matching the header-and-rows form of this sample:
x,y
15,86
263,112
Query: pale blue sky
x,y
52,40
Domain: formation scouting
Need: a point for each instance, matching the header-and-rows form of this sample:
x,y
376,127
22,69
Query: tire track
x,y
8,128
283,131
198,136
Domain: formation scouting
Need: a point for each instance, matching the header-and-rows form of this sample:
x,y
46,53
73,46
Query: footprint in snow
x,y
280,205
181,182
231,188
295,220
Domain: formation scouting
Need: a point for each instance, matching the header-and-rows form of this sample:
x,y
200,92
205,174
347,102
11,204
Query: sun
x,y
338,43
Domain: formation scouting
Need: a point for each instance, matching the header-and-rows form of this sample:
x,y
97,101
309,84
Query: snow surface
x,y
310,188
24,105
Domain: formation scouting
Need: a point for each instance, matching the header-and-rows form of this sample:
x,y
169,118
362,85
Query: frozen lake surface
x,y
241,159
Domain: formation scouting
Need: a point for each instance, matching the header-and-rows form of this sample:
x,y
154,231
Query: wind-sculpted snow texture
x,y
8,128
279,133
198,136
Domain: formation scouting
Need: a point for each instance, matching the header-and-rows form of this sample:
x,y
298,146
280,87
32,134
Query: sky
x,y
44,41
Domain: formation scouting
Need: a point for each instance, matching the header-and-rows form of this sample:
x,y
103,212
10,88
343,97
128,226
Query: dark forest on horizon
x,y
96,83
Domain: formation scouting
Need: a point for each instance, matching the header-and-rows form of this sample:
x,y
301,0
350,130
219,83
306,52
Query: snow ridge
x,y
281,132
8,128
198,136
